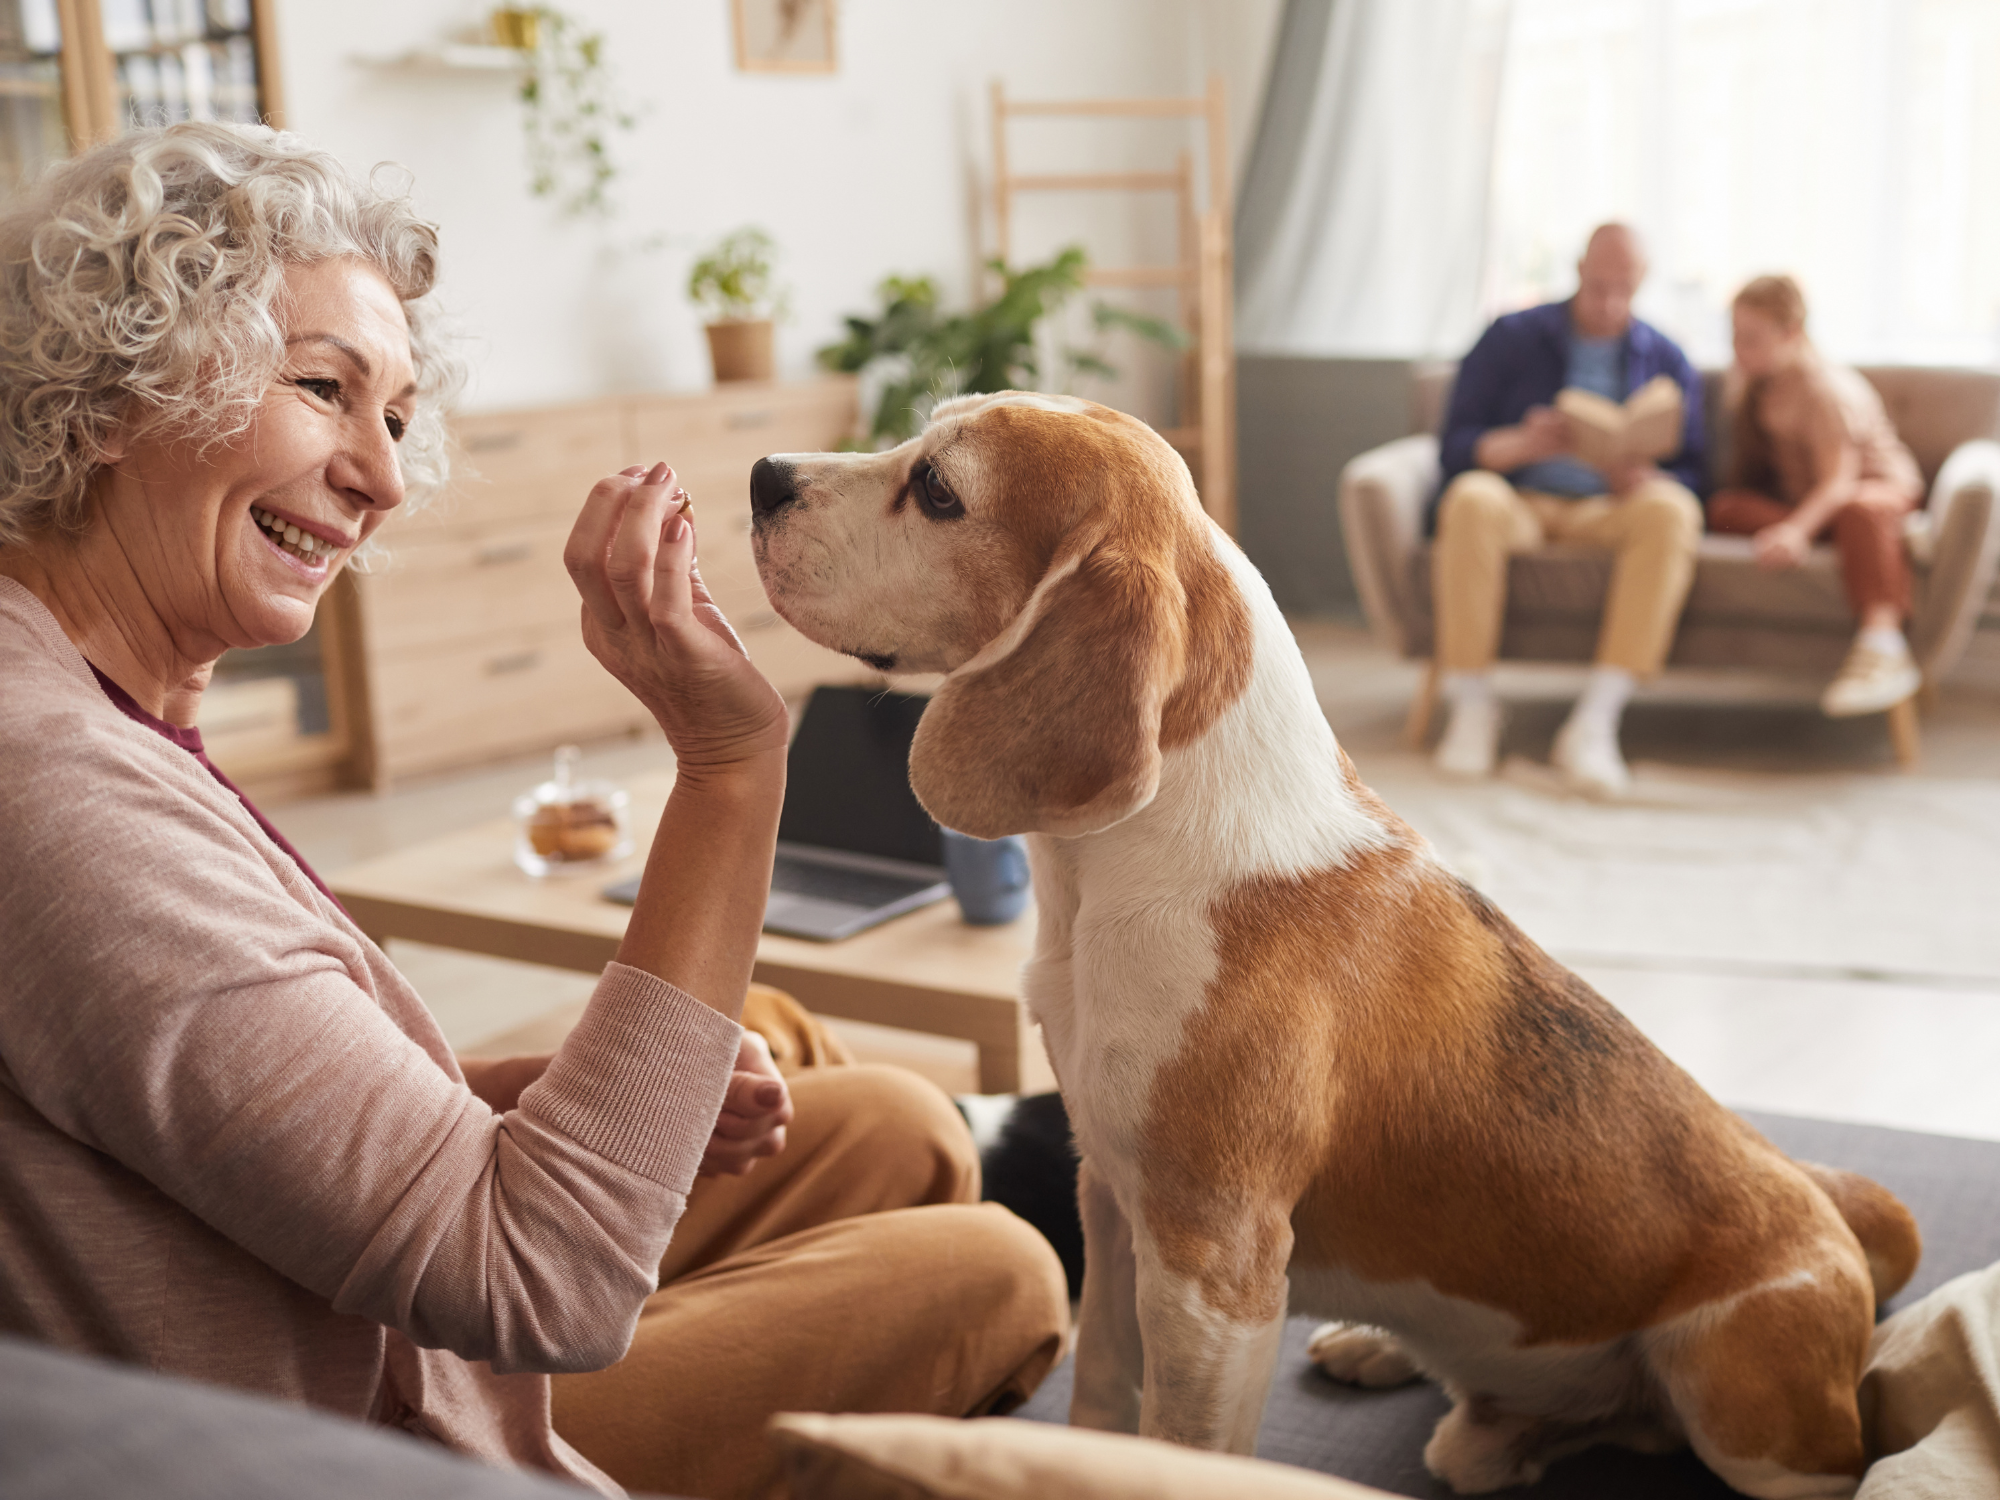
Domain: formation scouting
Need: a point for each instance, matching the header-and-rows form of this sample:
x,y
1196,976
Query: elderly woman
x,y
1816,456
233,1143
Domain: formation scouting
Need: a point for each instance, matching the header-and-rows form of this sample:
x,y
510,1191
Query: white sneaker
x,y
1587,755
1871,681
1471,740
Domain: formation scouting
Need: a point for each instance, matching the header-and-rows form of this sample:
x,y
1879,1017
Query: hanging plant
x,y
923,356
570,110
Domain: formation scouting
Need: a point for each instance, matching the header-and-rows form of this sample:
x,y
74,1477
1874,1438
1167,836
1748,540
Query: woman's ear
x,y
118,441
1061,733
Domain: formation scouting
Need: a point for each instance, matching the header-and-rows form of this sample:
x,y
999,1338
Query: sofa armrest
x,y
1965,551
1382,497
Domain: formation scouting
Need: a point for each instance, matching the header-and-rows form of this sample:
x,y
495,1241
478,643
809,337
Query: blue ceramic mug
x,y
989,877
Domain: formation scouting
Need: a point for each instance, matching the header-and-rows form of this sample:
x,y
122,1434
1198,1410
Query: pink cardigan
x,y
233,1143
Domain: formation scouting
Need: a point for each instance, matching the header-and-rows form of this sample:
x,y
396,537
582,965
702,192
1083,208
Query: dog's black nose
x,y
771,486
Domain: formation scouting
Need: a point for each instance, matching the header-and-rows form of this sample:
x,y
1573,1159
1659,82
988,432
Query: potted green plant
x,y
922,355
733,283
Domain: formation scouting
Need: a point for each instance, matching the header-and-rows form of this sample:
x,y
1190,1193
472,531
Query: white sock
x,y
1467,687
1885,639
1605,694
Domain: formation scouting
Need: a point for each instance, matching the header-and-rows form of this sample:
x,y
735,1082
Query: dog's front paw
x,y
1361,1354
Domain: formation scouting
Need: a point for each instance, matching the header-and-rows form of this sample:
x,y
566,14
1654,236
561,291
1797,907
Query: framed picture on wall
x,y
784,36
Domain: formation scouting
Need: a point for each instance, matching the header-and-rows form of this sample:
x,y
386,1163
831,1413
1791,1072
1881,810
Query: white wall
x,y
879,168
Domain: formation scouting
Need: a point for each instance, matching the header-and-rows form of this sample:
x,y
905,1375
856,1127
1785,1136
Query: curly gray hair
x,y
138,285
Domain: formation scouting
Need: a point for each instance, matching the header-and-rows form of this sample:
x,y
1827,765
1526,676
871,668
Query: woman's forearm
x,y
708,875
1840,468
1823,501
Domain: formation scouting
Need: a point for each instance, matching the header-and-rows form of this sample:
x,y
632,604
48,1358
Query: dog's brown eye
x,y
939,501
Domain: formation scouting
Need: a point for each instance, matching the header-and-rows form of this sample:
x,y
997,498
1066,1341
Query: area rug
x,y
1838,876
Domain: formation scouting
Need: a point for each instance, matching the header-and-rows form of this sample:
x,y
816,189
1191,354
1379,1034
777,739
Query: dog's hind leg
x,y
1764,1384
1109,1361
1211,1318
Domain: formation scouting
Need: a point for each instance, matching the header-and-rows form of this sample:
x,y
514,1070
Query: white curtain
x,y
1361,227
1852,143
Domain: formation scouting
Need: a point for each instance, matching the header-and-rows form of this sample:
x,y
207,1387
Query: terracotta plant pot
x,y
741,349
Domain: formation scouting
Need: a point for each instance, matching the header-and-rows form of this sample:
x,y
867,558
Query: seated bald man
x,y
1511,484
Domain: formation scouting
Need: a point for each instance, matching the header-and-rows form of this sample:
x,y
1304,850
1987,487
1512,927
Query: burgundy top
x,y
190,741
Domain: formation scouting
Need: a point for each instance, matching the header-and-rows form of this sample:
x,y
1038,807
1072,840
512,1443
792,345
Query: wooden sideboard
x,y
463,645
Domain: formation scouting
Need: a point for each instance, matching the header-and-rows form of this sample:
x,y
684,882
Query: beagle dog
x,y
1308,1067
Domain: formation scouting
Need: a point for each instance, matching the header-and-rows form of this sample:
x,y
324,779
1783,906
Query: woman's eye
x,y
324,388
395,424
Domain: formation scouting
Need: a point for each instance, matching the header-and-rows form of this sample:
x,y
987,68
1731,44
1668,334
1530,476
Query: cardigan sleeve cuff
x,y
641,1079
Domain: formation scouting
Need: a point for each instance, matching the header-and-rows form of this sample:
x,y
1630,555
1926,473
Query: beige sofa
x,y
1736,615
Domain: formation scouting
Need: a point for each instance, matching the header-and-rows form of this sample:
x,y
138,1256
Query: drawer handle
x,y
503,552
493,442
519,661
750,419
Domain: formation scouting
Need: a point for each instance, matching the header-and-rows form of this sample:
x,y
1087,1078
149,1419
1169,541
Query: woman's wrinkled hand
x,y
649,619
1781,545
755,1111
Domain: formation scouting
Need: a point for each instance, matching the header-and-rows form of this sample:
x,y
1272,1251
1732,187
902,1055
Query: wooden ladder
x,y
1200,273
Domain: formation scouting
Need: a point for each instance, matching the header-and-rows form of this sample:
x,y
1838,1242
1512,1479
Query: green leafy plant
x,y
925,356
734,280
570,111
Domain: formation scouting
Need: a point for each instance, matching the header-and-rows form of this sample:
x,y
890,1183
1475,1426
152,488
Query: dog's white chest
x,y
1120,970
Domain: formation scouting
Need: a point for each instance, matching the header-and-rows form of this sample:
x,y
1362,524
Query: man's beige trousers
x,y
1483,520
856,1271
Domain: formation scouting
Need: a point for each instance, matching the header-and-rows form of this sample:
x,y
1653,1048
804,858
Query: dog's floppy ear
x,y
1055,726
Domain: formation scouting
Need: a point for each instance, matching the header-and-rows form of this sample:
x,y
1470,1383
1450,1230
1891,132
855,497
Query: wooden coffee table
x,y
926,971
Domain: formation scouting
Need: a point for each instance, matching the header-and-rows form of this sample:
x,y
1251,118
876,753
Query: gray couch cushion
x,y
82,1429
1377,1437
1737,615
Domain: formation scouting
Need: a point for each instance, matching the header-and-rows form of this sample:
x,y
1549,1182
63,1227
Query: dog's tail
x,y
1887,1232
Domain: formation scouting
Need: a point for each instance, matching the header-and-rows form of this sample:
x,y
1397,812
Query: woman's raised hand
x,y
649,619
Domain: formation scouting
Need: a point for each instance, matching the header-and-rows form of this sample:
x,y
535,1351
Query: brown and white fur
x,y
1307,1066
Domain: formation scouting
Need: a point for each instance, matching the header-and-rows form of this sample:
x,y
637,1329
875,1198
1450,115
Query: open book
x,y
1604,434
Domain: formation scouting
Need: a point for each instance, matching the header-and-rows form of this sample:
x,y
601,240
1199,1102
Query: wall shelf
x,y
454,60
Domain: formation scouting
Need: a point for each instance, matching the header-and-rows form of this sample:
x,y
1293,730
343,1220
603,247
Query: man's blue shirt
x,y
1523,360
1597,366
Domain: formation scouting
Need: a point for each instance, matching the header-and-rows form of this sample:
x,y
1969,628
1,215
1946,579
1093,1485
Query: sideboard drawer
x,y
518,690
735,425
531,463
467,583
469,636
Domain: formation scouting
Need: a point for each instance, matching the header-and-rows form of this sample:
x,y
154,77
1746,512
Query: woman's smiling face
x,y
235,546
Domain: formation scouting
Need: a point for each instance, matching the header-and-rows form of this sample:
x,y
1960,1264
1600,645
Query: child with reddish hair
x,y
1816,455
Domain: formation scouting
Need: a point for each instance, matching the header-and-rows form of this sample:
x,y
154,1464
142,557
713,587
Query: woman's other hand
x,y
649,619
1783,544
755,1111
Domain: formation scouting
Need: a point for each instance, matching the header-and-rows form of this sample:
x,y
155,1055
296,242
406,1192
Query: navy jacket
x,y
1522,361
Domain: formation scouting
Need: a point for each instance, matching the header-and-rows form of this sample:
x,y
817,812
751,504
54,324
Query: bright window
x,y
1852,143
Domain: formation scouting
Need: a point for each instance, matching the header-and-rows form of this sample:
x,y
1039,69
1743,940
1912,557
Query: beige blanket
x,y
1931,1398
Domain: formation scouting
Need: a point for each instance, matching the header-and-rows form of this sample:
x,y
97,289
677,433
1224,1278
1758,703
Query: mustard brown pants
x,y
856,1271
1483,520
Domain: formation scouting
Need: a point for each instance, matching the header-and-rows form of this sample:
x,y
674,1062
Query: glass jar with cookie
x,y
567,824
